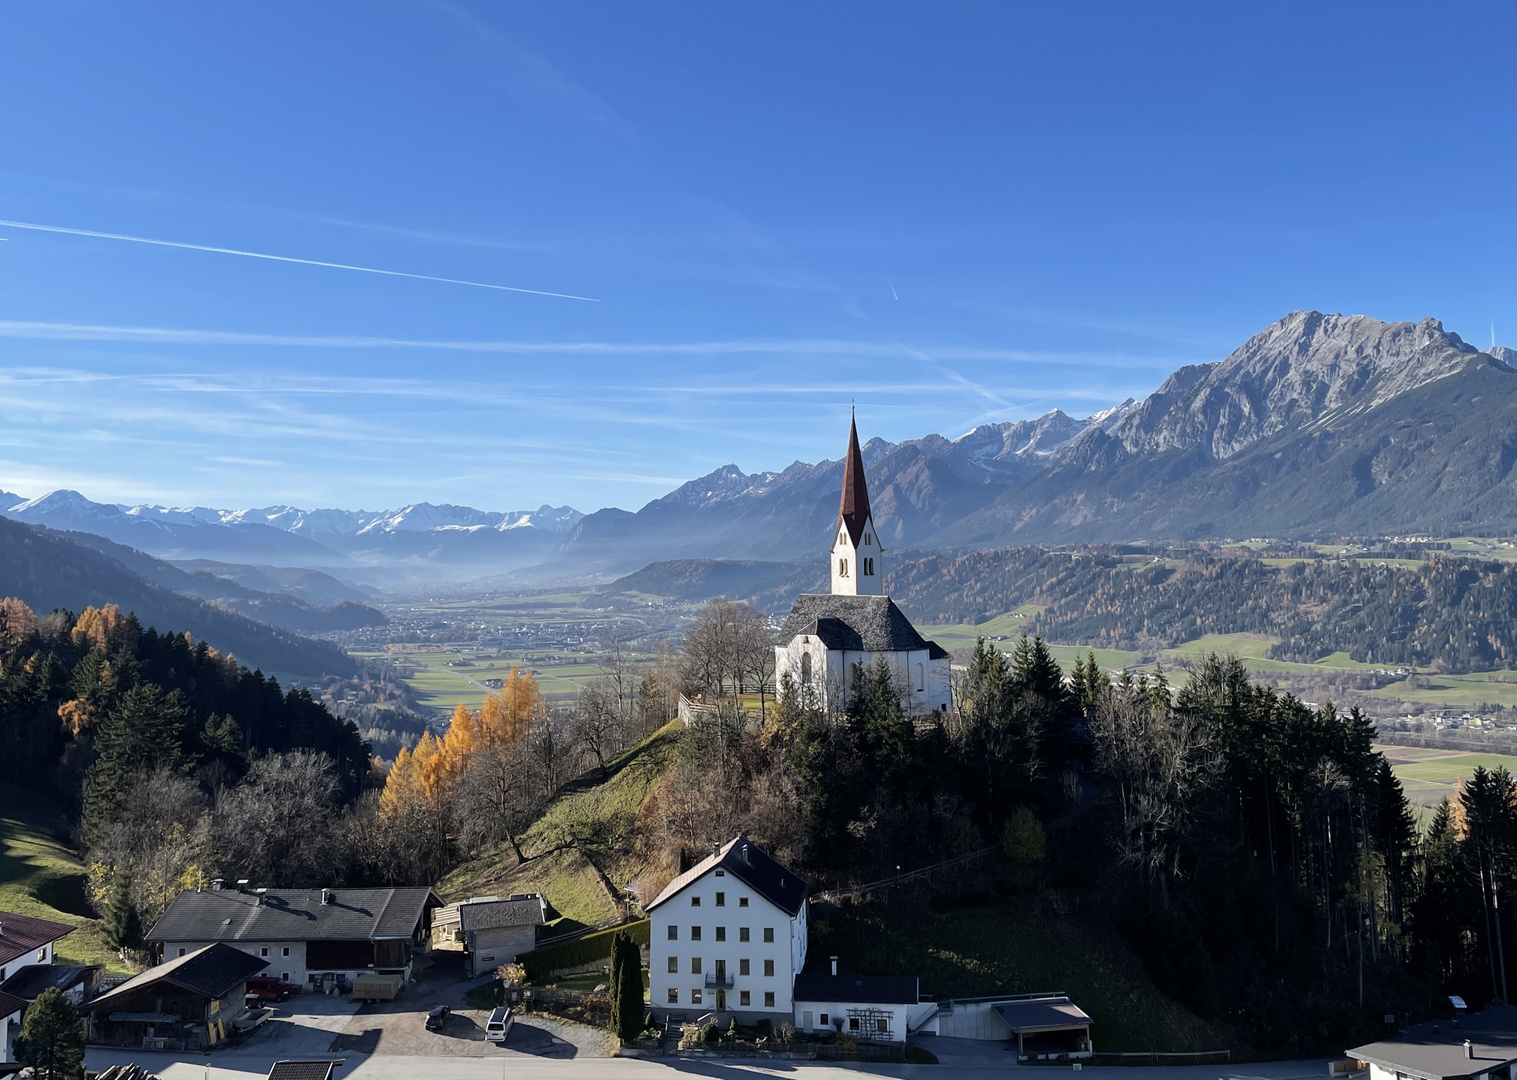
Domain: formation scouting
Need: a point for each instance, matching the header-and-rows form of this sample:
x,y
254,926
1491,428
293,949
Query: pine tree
x,y
618,960
627,1004
52,1038
122,924
143,733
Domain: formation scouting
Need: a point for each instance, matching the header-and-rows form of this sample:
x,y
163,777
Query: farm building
x,y
1482,1045
873,1008
186,1003
315,937
492,931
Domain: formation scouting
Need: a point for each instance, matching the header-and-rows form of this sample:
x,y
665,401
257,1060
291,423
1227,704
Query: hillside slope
x,y
47,570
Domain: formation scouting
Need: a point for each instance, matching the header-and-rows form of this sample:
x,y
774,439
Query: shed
x,y
1050,1028
497,932
183,1004
75,982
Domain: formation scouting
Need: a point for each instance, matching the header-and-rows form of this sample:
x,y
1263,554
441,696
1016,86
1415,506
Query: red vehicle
x,y
268,988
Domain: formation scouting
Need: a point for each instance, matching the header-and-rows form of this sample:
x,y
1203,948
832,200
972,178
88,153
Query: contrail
x,y
892,290
284,259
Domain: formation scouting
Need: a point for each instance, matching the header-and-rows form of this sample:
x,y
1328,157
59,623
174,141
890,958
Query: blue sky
x,y
951,214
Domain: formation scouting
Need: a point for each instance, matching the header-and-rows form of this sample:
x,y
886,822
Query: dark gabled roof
x,y
1042,1014
10,1004
21,934
315,1069
210,971
293,915
31,980
751,865
492,914
857,989
1435,1050
854,508
871,623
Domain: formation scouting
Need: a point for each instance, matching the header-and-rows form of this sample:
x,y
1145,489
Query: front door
x,y
721,1001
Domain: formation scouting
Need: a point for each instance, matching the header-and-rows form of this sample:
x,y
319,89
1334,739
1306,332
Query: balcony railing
x,y
718,981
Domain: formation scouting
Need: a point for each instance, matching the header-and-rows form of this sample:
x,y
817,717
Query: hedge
x,y
540,963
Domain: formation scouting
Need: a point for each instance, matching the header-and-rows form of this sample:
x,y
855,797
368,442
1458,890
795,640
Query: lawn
x,y
1430,775
1003,948
41,877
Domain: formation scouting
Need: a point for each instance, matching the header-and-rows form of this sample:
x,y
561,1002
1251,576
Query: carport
x,y
1047,1028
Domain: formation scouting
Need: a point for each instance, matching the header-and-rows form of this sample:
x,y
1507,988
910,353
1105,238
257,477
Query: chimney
x,y
242,884
834,965
216,884
745,853
259,895
716,849
1469,1050
326,897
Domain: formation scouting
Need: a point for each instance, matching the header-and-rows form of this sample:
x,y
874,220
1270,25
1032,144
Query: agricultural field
x,y
1429,775
443,677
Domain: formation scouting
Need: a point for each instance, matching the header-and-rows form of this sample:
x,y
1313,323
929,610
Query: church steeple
x,y
856,552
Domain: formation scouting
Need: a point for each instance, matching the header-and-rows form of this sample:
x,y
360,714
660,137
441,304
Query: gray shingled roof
x,y
1436,1049
751,865
1042,1014
211,971
871,623
293,915
490,914
30,981
11,1004
857,989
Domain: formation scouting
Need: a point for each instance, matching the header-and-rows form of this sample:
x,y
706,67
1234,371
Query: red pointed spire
x,y
855,506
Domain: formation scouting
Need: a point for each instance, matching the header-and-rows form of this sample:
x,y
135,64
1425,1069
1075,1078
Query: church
x,y
827,635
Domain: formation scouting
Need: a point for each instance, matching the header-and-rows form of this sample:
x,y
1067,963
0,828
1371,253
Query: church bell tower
x,y
857,558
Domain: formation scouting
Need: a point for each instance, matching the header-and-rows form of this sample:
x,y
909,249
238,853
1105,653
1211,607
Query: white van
x,y
499,1025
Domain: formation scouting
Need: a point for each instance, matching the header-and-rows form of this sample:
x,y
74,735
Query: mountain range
x,y
1319,426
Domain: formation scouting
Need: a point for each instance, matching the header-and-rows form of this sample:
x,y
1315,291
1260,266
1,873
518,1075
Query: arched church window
x,y
921,678
805,669
842,567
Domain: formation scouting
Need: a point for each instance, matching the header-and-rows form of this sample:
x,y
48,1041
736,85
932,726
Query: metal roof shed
x,y
1047,1028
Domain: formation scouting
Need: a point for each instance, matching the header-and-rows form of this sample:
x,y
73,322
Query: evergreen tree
x,y
627,994
122,924
618,962
52,1038
143,733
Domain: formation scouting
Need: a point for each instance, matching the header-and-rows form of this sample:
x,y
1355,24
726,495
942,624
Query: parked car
x,y
437,1018
499,1025
267,988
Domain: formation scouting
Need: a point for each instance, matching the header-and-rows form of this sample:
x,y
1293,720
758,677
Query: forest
x,y
1446,614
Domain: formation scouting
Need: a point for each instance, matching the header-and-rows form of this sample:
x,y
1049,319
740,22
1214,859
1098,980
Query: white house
x,y
873,1008
24,942
728,936
827,636
316,937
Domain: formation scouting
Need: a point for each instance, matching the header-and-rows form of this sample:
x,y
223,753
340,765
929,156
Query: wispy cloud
x,y
94,234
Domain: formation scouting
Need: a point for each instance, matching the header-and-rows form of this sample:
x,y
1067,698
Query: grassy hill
x,y
1001,947
41,877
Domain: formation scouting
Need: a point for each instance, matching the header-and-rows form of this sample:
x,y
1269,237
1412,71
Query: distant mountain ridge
x,y
1317,426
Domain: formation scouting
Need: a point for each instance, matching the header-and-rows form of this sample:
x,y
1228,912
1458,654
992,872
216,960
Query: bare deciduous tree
x,y
279,826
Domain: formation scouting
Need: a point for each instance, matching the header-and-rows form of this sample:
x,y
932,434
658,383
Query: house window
x,y
742,966
695,901
284,976
181,952
824,1020
768,999
721,873
769,968
721,933
42,955
742,901
853,1023
742,933
744,998
673,996
882,1026
673,965
695,965
695,997
286,950
769,935
695,933
263,951
721,899
673,932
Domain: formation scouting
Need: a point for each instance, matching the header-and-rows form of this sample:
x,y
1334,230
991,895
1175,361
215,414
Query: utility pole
x,y
1500,952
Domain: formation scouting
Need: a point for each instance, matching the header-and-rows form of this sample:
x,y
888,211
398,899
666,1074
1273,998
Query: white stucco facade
x,y
823,675
716,945
857,569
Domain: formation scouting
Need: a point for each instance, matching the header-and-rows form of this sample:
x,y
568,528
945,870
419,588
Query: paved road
x,y
234,1066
